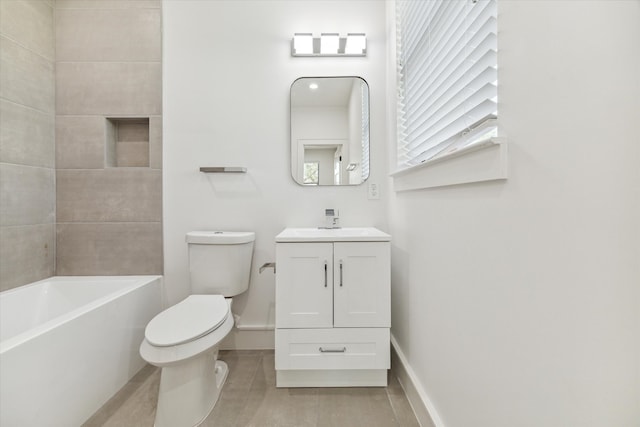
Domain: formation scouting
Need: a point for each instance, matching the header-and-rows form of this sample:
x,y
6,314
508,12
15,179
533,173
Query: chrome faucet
x,y
332,220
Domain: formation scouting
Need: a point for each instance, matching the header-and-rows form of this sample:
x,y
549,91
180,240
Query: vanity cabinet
x,y
332,307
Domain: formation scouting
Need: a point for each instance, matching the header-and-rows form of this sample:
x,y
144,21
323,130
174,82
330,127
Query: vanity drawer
x,y
338,348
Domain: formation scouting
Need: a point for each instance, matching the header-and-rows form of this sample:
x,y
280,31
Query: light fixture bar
x,y
329,44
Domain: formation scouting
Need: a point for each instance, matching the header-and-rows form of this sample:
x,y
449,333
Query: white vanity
x,y
332,307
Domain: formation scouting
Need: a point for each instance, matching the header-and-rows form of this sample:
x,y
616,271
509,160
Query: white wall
x,y
226,78
516,303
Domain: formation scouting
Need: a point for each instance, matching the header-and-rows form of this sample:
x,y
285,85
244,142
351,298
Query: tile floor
x,y
250,398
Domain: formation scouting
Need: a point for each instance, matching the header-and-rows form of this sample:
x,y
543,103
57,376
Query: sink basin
x,y
347,234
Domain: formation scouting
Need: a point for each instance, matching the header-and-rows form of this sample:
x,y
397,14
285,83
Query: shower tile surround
x,y
27,142
108,137
73,201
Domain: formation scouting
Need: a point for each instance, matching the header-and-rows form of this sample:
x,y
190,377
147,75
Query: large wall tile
x,y
109,249
26,78
27,195
80,142
108,4
108,35
26,135
27,254
109,195
31,23
109,66
109,88
27,142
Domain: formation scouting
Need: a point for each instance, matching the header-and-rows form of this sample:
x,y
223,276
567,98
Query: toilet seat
x,y
176,354
190,319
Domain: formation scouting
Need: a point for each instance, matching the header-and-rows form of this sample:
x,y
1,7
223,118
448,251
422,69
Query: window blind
x,y
446,76
364,91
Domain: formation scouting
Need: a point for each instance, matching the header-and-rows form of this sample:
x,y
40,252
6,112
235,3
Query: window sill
x,y
486,161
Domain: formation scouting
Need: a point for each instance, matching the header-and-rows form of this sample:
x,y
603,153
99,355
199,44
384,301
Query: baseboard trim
x,y
422,406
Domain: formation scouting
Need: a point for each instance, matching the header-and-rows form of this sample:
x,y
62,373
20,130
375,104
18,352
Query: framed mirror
x,y
330,130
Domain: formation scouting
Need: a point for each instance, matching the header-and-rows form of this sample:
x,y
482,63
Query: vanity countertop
x,y
346,234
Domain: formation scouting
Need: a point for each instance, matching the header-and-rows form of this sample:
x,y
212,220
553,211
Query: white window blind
x,y
364,90
447,76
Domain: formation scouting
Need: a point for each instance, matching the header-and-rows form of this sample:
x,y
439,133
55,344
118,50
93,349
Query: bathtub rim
x,y
139,281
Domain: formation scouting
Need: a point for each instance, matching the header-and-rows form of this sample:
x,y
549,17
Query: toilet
x,y
184,339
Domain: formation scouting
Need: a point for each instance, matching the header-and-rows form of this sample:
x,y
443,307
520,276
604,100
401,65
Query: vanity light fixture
x,y
329,44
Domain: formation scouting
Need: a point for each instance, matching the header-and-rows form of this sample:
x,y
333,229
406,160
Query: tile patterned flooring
x,y
250,399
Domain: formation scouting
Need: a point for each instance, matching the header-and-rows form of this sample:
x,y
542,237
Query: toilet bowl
x,y
184,339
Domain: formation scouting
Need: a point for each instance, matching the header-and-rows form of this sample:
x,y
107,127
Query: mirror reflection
x,y
330,130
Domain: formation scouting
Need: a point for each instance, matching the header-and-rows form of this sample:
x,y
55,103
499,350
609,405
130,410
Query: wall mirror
x,y
330,130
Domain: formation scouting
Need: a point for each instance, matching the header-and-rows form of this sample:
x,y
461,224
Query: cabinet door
x,y
304,291
362,291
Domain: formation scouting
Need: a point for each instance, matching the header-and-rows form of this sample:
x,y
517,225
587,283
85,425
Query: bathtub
x,y
68,344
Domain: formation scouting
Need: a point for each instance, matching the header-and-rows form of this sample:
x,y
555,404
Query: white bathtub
x,y
68,344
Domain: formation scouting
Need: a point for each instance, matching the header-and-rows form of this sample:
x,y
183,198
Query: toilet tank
x,y
220,261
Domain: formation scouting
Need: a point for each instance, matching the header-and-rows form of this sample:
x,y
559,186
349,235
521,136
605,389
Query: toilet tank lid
x,y
220,237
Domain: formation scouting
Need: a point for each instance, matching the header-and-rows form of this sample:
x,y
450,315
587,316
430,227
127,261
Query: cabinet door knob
x,y
325,274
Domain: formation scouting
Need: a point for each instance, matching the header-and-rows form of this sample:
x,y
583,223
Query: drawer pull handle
x,y
325,274
340,273
333,350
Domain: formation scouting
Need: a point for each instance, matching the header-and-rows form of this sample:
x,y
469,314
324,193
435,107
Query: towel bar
x,y
223,169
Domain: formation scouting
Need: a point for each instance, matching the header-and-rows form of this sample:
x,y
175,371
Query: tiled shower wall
x,y
108,137
27,146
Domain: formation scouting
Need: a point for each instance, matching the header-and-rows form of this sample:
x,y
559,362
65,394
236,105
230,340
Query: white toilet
x,y
183,340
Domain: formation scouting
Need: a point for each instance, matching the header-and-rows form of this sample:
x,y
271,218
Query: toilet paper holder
x,y
268,265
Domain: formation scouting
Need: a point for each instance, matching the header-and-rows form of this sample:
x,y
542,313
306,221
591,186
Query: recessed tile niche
x,y
127,142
